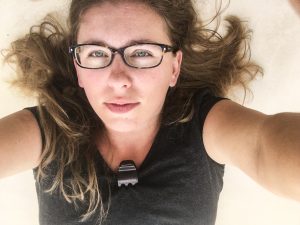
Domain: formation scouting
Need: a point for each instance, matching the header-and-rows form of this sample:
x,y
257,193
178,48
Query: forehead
x,y
121,23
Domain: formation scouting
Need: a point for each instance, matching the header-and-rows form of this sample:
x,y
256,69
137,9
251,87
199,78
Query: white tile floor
x,y
276,45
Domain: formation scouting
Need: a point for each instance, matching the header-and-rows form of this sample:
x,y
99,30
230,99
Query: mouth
x,y
121,108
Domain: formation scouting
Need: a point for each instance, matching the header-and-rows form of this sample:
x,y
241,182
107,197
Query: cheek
x,y
87,78
154,87
91,82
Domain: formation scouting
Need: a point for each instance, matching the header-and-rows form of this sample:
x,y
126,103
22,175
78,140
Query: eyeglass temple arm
x,y
171,49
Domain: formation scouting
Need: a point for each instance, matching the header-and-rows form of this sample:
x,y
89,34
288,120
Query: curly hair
x,y
45,69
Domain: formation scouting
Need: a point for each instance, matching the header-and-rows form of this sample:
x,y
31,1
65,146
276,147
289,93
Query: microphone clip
x,y
127,173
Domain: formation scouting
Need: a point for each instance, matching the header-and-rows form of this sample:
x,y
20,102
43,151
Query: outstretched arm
x,y
266,147
279,155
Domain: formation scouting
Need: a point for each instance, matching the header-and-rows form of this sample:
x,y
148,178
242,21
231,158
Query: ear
x,y
176,68
77,68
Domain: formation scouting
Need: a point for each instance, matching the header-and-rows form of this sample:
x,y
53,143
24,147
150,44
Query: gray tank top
x,y
179,184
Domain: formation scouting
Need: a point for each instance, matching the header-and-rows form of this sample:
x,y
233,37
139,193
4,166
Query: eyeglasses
x,y
141,56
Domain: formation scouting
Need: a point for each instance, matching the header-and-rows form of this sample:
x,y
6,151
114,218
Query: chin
x,y
120,126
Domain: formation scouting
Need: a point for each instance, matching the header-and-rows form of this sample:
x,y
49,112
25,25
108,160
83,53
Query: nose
x,y
119,77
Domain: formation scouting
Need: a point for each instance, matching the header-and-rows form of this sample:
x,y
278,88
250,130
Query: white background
x,y
275,45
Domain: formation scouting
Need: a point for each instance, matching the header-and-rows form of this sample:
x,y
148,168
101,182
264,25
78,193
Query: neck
x,y
117,146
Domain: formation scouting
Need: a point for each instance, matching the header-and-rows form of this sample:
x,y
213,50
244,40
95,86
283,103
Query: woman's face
x,y
126,99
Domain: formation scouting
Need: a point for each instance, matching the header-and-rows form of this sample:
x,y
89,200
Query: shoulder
x,y
21,144
231,134
23,120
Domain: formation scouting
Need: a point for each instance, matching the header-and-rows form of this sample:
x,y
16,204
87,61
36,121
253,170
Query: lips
x,y
121,108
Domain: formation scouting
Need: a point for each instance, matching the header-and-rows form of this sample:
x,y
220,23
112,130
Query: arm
x,y
20,143
280,154
266,147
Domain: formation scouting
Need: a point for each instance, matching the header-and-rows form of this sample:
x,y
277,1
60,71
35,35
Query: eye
x,y
99,54
141,53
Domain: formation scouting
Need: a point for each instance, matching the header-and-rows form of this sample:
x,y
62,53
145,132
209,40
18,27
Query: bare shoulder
x,y
231,135
20,143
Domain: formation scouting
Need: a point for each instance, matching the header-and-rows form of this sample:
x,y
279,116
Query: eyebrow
x,y
131,42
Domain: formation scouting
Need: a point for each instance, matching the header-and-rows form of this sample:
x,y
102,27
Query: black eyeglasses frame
x,y
165,48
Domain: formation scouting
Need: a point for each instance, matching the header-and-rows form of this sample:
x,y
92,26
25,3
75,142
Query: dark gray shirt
x,y
179,184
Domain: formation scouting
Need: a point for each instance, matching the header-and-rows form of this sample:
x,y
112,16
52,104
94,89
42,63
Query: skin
x,y
21,143
128,135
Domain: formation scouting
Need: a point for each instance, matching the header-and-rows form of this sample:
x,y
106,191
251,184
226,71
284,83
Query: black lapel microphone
x,y
127,174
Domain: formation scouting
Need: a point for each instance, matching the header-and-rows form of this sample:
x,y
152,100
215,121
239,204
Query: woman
x,y
146,88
